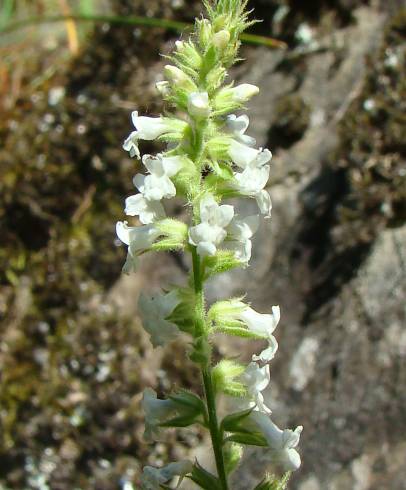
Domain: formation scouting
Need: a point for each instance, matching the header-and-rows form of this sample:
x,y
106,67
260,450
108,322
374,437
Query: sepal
x,y
201,353
233,453
223,261
224,375
221,170
242,430
235,421
184,314
204,479
271,482
174,235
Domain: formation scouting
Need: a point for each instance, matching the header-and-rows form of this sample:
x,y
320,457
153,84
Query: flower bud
x,y
221,39
242,93
205,32
163,88
198,104
175,74
224,375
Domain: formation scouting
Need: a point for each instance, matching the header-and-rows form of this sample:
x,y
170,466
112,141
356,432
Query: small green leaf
x,y
204,479
187,399
182,421
251,439
232,422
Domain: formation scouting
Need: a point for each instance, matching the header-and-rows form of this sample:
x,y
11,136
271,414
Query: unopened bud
x,y
198,104
179,45
221,39
163,88
243,92
175,74
205,31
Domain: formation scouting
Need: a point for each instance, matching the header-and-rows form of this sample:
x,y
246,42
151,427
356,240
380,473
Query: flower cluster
x,y
205,159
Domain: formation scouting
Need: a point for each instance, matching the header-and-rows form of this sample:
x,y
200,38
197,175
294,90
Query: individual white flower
x,y
210,232
138,239
156,412
149,128
251,182
239,234
148,211
281,443
198,104
263,325
242,93
241,154
237,127
246,157
256,379
154,311
152,478
153,188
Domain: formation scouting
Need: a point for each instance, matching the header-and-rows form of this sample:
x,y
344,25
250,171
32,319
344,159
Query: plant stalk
x,y
209,391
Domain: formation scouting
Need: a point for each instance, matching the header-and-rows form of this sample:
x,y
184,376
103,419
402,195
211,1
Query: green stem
x,y
209,391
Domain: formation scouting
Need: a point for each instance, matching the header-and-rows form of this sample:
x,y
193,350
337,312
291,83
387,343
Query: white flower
x,y
239,233
207,235
154,311
138,239
242,93
263,325
198,104
153,188
156,412
237,127
148,211
149,128
244,156
251,182
256,379
281,443
241,154
152,478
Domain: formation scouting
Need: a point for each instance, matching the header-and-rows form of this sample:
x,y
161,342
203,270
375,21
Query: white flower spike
x,y
210,233
208,159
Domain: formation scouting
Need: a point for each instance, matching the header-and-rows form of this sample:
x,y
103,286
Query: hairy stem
x,y
209,391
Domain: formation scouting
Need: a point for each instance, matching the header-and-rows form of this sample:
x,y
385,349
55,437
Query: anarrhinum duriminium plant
x,y
208,159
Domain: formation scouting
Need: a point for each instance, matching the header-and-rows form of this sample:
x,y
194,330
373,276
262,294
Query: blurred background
x,y
73,357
